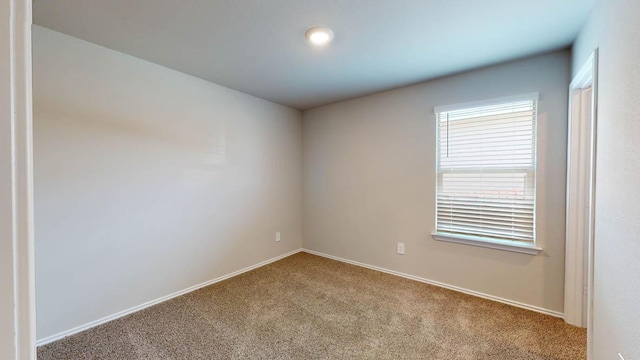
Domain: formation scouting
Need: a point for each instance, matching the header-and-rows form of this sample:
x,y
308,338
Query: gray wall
x,y
614,27
369,182
149,181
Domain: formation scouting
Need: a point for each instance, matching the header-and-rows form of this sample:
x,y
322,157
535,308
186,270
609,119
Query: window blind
x,y
486,169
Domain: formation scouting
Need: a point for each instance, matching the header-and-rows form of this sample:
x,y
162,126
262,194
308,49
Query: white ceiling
x,y
258,46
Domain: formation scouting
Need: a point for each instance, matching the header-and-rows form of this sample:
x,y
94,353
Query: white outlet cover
x,y
278,236
400,248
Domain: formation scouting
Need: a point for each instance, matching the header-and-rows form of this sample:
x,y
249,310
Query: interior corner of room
x,y
150,183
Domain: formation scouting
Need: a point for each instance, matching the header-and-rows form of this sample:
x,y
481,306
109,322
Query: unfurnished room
x,y
333,179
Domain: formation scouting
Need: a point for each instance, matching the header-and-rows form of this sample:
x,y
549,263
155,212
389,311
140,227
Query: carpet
x,y
309,307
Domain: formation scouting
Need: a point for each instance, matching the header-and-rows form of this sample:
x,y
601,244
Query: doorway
x,y
17,301
581,168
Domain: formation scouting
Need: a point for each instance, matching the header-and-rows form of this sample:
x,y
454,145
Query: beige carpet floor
x,y
308,307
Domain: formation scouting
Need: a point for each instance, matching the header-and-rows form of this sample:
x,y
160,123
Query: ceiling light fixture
x,y
319,35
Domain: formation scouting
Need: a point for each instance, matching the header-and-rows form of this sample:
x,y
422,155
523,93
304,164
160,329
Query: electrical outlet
x,y
278,236
400,248
620,355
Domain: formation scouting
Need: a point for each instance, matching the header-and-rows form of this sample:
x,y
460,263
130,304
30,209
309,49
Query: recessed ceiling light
x,y
319,35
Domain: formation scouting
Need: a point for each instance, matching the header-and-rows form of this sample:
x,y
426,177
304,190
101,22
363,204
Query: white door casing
x,y
581,157
17,292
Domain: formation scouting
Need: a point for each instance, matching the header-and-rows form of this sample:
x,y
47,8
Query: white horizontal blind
x,y
486,170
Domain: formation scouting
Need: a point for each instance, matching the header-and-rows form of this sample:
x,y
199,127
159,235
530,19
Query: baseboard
x,y
134,309
442,285
55,337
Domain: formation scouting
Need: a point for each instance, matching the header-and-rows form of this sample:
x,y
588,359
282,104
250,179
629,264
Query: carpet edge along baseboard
x,y
442,285
106,319
75,330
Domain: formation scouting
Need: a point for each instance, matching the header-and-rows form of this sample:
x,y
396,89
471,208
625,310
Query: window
x,y
486,173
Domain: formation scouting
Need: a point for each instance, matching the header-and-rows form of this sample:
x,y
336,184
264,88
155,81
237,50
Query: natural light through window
x,y
486,170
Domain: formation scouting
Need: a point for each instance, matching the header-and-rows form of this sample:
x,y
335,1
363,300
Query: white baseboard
x,y
55,337
442,285
134,309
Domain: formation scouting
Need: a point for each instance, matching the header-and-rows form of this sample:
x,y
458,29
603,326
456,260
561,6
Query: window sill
x,y
505,245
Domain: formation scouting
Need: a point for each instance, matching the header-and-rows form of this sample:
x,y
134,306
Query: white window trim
x,y
523,97
505,245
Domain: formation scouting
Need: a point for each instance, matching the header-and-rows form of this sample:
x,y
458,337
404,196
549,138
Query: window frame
x,y
523,247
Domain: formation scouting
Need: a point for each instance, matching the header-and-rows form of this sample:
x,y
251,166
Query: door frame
x,y
581,161
18,335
